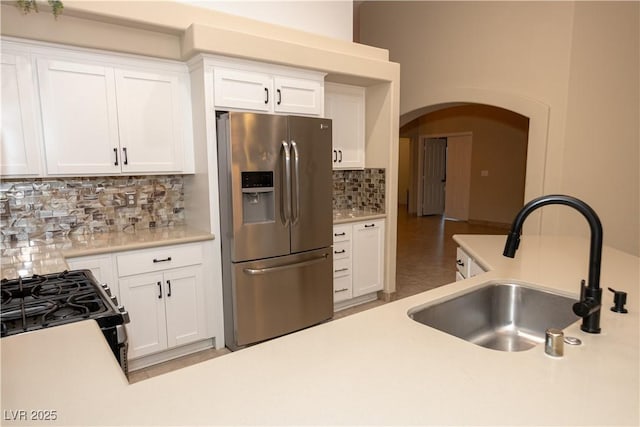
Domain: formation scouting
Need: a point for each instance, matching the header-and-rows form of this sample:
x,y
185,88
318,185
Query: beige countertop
x,y
43,256
377,367
342,216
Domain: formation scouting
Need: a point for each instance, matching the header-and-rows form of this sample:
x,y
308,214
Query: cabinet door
x,y
368,257
344,105
298,96
19,153
79,117
243,90
185,305
143,296
102,268
150,112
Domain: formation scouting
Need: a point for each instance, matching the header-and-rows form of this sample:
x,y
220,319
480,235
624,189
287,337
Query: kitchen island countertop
x,y
374,367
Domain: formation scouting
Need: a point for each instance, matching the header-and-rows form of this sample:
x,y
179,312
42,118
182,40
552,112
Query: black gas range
x,y
37,302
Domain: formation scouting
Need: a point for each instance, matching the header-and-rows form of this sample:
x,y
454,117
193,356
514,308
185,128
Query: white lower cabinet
x,y
342,277
163,289
166,309
101,266
368,257
466,266
358,262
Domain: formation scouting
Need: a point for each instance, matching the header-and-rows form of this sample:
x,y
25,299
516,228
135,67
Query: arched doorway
x,y
480,163
536,112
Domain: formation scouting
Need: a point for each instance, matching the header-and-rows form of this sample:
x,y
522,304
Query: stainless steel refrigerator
x,y
275,179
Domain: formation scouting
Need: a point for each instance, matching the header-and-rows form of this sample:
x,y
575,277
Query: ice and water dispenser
x,y
257,197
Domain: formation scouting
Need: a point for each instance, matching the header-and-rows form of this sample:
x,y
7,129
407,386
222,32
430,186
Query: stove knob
x,y
106,289
114,299
124,313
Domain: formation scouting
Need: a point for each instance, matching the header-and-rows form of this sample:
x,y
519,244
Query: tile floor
x,y
426,259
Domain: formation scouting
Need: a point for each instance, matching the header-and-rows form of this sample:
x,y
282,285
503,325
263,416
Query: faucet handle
x,y
619,299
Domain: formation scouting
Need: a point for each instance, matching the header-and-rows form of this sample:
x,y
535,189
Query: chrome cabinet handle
x,y
296,169
159,290
286,197
254,271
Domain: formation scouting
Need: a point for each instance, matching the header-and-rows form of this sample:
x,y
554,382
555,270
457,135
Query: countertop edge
x,y
79,252
366,217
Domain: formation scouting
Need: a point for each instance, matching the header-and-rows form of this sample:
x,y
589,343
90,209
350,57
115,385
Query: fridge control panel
x,y
257,197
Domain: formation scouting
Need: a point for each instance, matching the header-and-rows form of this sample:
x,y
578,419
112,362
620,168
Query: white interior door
x,y
434,176
458,177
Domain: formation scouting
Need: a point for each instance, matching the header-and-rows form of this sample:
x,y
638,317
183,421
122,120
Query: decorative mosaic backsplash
x,y
47,208
359,189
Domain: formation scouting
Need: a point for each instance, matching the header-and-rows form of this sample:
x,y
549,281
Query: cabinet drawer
x,y
341,250
341,233
342,289
341,268
156,259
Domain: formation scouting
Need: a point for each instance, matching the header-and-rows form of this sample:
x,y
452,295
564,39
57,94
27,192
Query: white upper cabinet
x,y
242,89
91,113
244,85
79,117
149,121
345,106
298,96
19,153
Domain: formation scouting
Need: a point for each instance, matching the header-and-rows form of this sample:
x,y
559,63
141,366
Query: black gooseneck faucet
x,y
590,295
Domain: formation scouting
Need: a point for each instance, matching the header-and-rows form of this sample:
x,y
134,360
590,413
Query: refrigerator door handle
x,y
286,198
296,170
254,271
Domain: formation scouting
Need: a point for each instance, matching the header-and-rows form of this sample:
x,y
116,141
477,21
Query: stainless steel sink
x,y
500,316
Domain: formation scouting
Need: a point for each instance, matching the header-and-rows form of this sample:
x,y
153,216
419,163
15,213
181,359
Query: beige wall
x,y
499,147
602,156
579,60
404,169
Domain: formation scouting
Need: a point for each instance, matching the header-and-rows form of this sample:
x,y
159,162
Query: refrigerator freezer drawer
x,y
279,295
